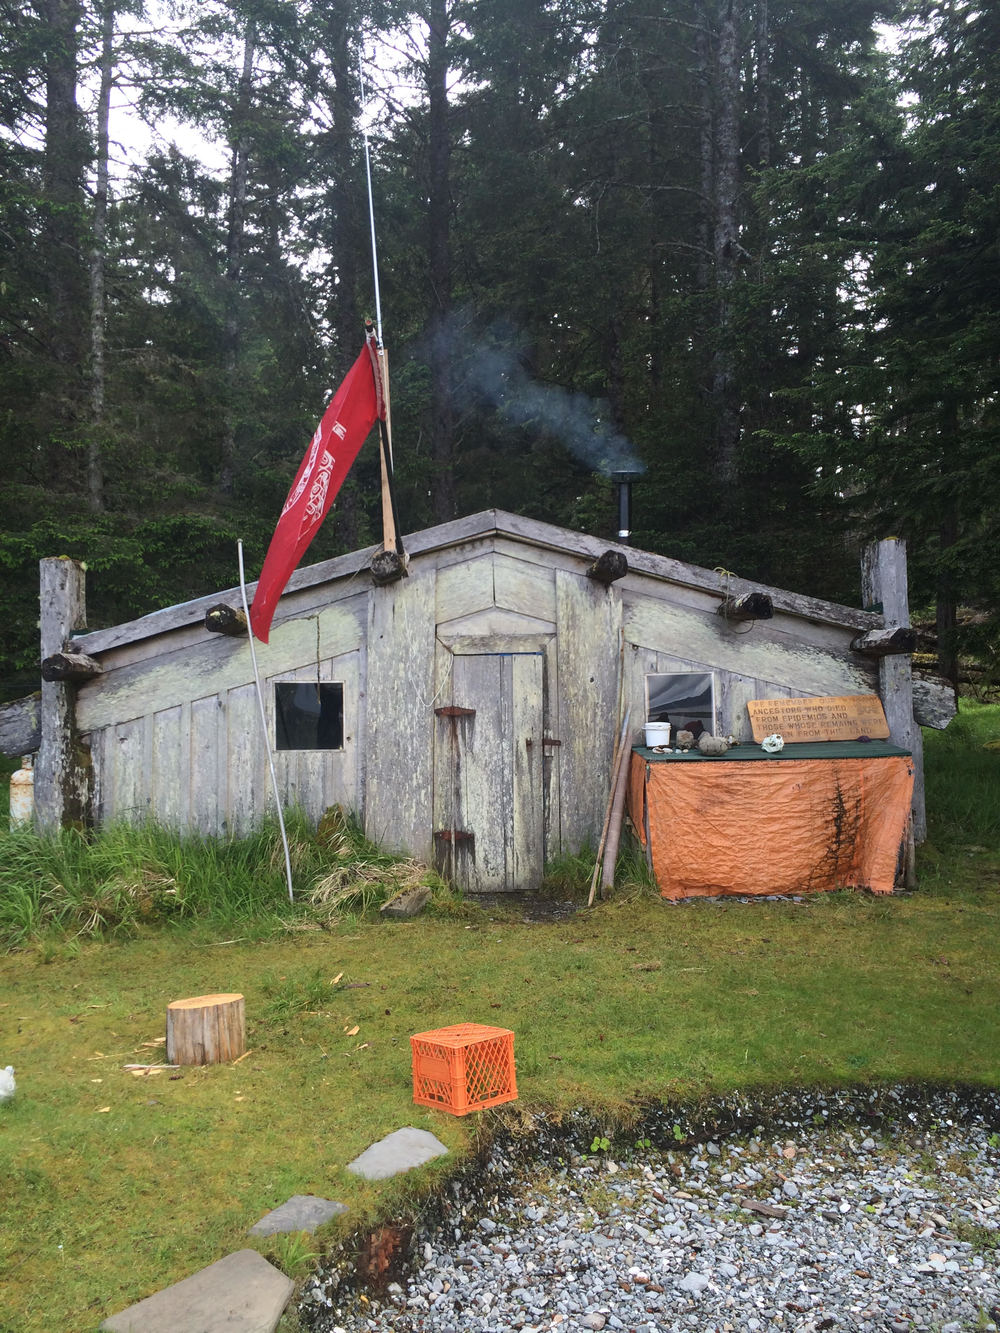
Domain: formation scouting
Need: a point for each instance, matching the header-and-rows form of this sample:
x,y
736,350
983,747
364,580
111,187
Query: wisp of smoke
x,y
495,375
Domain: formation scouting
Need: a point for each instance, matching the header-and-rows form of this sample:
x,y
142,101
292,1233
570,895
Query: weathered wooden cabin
x,y
468,712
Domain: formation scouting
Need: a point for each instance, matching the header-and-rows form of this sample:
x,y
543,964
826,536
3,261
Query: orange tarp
x,y
788,826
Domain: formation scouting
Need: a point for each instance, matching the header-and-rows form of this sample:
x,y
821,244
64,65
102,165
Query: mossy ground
x,y
114,1185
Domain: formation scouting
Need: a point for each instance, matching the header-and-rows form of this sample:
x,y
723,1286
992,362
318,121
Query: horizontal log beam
x,y
223,619
609,567
21,725
751,606
70,666
884,642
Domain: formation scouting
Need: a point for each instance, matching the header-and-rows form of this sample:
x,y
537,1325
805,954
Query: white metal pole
x,y
263,726
371,205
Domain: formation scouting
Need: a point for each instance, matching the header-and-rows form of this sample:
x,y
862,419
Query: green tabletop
x,y
792,750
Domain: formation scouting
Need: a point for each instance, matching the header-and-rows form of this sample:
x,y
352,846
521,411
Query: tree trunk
x,y
706,156
345,224
726,248
946,606
62,179
98,314
439,256
762,42
239,174
345,234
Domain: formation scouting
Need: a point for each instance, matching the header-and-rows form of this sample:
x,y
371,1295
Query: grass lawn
x,y
113,1185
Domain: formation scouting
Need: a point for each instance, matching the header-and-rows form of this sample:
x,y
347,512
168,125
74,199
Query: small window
x,y
309,715
681,698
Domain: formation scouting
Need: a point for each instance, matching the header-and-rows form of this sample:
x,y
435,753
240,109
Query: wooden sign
x,y
841,719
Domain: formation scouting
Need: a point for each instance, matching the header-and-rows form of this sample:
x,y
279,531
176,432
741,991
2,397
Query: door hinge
x,y
453,835
546,740
453,710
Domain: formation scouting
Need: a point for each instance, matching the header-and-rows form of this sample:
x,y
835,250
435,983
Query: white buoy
x,y
22,794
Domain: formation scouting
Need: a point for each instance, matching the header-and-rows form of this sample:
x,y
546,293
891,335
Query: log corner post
x,y
884,588
63,773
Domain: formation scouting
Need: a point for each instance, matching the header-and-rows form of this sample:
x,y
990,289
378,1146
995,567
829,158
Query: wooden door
x,y
490,774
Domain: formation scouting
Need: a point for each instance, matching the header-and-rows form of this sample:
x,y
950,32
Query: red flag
x,y
353,410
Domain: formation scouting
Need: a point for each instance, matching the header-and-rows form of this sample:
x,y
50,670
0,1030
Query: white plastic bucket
x,y
657,734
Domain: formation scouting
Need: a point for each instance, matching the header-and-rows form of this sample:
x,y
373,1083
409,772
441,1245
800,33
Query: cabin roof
x,y
477,527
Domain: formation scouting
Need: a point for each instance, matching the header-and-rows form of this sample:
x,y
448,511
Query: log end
x,y
751,606
608,568
223,619
387,567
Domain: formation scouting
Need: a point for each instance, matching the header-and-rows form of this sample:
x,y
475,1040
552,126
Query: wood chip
x,y
768,1209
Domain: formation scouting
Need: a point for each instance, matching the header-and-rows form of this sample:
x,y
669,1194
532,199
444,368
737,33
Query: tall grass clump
x,y
115,880
962,773
360,876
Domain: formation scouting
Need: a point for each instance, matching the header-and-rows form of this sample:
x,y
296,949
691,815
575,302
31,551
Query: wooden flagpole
x,y
390,534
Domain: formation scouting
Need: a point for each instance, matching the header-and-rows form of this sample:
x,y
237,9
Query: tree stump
x,y
206,1030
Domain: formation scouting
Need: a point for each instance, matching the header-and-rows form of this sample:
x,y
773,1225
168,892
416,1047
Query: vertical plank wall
x,y
200,761
588,626
400,712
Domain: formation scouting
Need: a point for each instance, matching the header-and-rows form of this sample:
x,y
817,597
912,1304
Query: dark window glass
x,y
309,715
680,698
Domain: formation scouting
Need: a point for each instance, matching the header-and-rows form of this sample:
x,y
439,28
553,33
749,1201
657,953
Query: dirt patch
x,y
530,908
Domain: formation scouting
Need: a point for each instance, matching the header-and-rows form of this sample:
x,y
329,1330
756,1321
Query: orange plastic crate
x,y
464,1068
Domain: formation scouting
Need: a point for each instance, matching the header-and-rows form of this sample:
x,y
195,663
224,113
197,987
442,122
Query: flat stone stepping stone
x,y
397,1152
407,904
242,1293
302,1212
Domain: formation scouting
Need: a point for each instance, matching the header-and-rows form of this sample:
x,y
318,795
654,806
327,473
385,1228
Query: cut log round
x,y
206,1030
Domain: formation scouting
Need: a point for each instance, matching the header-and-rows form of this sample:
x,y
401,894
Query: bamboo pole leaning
x,y
621,749
613,840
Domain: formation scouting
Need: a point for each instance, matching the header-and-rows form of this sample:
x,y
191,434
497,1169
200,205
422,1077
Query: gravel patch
x,y
810,1224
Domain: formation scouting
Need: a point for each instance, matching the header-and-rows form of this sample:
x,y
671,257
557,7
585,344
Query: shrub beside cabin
x,y
467,712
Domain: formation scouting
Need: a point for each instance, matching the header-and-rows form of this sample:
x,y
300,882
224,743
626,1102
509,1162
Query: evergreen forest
x,y
749,247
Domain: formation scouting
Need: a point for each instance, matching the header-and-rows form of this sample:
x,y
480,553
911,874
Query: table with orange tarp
x,y
814,817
